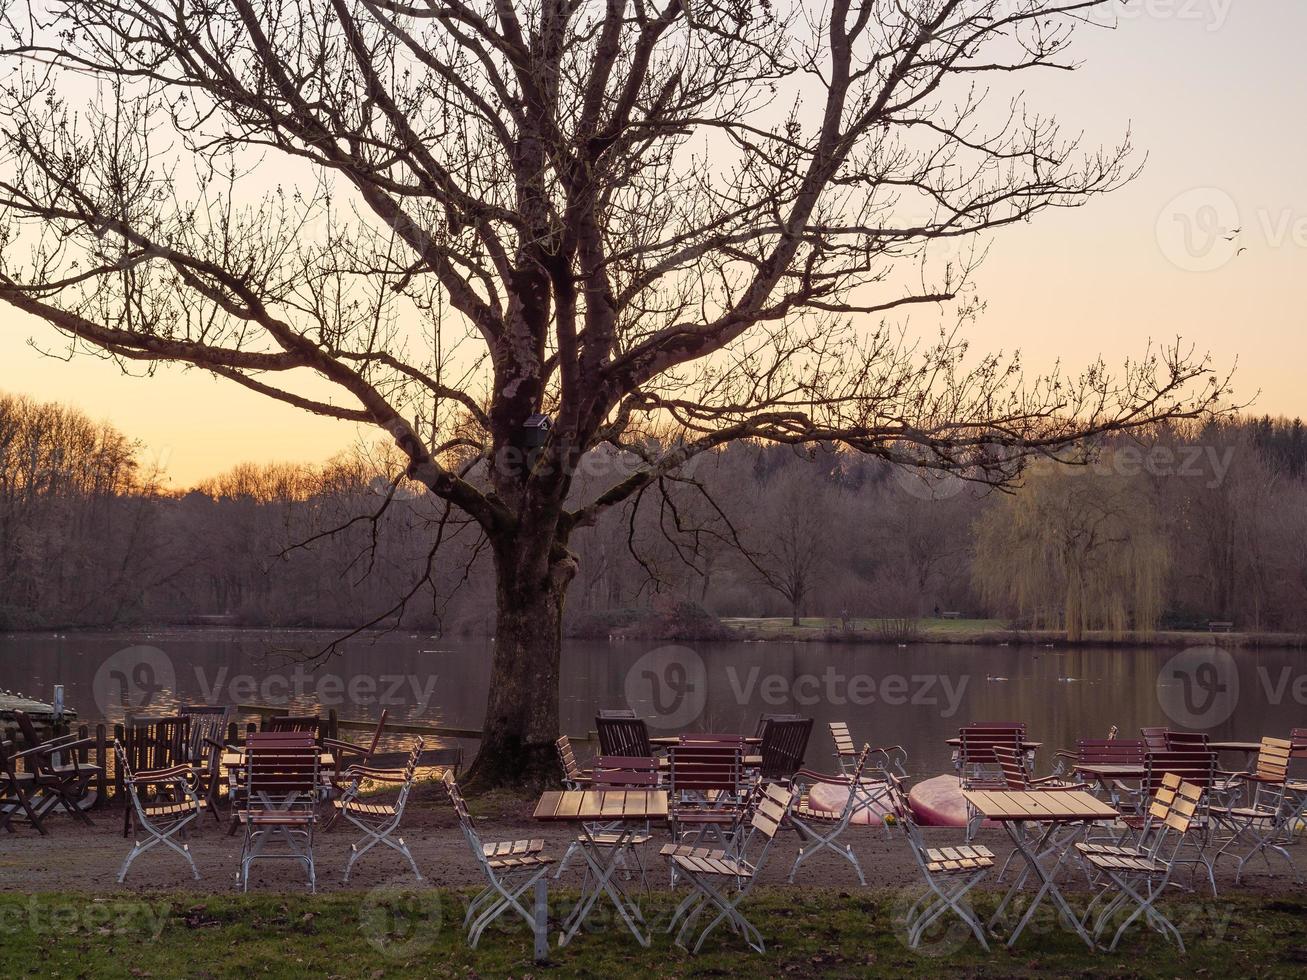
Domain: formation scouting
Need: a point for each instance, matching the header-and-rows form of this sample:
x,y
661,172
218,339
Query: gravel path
x,y
82,859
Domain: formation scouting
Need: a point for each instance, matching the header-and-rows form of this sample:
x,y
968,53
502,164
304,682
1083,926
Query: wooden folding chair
x,y
378,821
784,745
61,777
510,867
1296,781
721,879
154,743
706,777
819,829
1265,822
159,822
574,777
282,783
1140,877
1111,751
1196,767
16,789
977,765
347,754
208,733
623,736
615,772
883,760
949,872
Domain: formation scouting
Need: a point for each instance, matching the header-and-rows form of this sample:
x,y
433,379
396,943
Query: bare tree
x,y
441,217
794,530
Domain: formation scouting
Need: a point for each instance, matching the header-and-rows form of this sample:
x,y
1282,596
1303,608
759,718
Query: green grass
x,y
408,933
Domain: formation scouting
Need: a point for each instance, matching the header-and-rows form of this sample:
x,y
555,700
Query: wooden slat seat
x,y
611,838
717,863
174,809
964,858
1133,863
364,809
519,861
512,848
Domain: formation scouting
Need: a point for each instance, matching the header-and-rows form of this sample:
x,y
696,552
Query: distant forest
x,y
1194,523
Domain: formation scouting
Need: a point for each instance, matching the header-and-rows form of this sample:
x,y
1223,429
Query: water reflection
x,y
916,695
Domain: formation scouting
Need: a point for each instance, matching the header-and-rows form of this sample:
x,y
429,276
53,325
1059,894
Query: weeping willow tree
x,y
1075,549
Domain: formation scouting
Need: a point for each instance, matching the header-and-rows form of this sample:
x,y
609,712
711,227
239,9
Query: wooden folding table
x,y
623,812
1054,808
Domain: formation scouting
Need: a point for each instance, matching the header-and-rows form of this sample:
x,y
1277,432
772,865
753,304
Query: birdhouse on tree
x,y
535,431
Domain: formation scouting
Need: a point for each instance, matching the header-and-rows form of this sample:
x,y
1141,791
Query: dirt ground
x,y
77,858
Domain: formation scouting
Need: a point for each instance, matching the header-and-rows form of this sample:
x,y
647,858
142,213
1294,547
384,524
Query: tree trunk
x,y
794,613
521,722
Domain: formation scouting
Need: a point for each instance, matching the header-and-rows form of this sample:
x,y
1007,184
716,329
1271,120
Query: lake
x,y
916,695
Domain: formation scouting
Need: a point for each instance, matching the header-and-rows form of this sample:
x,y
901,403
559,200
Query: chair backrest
x,y
410,772
784,744
1273,759
1154,738
1298,738
770,807
571,771
377,732
760,728
208,725
1111,751
25,725
1112,732
465,821
1298,745
1180,815
844,747
978,742
704,768
1012,762
293,723
624,772
609,713
1195,766
623,736
156,742
281,763
1186,740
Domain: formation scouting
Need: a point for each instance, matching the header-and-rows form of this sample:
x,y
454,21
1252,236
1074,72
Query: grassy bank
x,y
406,933
995,632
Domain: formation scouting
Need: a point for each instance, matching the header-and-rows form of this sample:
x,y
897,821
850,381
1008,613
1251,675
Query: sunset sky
x,y
1213,91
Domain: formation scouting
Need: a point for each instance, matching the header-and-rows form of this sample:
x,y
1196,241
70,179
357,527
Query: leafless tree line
x,y
1215,517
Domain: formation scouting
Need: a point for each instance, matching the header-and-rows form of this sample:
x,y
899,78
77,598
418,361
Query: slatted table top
x,y
1026,744
609,804
1113,770
1018,806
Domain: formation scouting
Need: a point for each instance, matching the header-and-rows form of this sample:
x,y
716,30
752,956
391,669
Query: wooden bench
x,y
1220,626
951,615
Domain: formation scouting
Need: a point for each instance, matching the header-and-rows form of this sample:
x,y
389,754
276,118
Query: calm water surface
x,y
916,695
